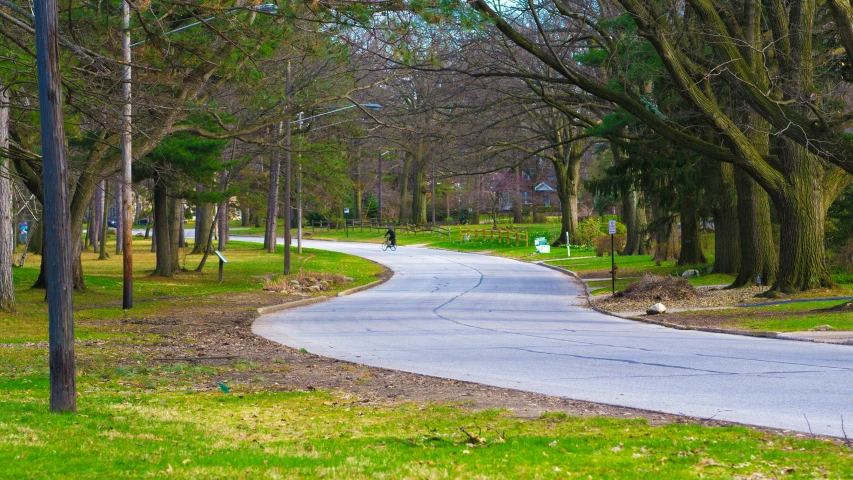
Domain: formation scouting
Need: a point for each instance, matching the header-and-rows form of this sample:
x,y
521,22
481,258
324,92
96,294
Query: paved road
x,y
510,324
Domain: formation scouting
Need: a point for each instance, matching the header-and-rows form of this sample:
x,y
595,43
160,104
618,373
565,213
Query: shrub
x,y
602,244
589,230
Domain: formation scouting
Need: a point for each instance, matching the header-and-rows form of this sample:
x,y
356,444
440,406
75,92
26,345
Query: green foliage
x,y
588,230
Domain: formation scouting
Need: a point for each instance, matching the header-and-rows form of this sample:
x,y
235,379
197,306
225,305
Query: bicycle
x,y
388,244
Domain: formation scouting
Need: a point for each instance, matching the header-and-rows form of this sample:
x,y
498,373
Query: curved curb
x,y
663,323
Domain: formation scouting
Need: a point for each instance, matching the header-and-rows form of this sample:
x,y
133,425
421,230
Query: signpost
x,y
346,211
611,229
222,262
568,246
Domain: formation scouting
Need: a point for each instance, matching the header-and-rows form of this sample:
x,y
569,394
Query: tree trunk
x,y
691,244
119,217
174,235
568,176
105,233
7,229
244,217
223,226
182,241
419,191
161,230
722,191
57,216
204,221
802,210
666,235
404,186
516,201
95,218
272,199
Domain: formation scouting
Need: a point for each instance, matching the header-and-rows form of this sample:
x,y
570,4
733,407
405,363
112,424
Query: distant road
x,y
510,324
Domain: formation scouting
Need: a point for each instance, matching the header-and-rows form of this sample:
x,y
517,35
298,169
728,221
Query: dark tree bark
x,y
723,197
568,171
161,230
691,244
175,224
204,221
666,235
57,216
95,218
517,216
404,186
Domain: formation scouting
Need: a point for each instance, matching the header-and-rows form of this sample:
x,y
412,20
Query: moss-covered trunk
x,y
802,209
758,251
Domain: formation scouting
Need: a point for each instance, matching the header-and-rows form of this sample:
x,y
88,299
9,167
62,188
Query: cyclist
x,y
392,237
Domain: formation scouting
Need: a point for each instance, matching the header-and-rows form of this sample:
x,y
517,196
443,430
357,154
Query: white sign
x,y
221,257
611,227
346,210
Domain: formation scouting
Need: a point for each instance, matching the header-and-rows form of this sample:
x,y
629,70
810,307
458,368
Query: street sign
x,y
346,210
611,227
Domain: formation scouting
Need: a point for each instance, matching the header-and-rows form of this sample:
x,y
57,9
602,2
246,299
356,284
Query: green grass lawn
x,y
789,317
248,266
314,435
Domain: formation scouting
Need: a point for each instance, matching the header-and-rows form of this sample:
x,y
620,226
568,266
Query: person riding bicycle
x,y
392,237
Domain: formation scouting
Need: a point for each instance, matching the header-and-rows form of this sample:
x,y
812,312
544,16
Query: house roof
x,y
544,187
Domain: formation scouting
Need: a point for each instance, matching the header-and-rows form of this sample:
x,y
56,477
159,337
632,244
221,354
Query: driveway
x,y
510,324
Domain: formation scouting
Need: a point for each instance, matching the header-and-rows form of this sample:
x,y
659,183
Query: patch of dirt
x,y
217,332
705,297
655,288
844,307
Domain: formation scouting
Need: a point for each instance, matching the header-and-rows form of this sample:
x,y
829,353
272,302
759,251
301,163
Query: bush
x,y
656,288
589,230
602,244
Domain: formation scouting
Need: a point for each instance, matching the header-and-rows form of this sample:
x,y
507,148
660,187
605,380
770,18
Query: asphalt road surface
x,y
511,324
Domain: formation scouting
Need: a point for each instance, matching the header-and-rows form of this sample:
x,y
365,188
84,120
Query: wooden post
x,y
56,220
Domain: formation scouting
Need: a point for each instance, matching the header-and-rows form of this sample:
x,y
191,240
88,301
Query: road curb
x,y
664,323
289,305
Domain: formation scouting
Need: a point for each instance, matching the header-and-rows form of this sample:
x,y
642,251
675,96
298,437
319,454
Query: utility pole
x,y
127,182
379,183
287,174
57,221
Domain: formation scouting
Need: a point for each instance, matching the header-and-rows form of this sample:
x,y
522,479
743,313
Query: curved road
x,y
511,324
